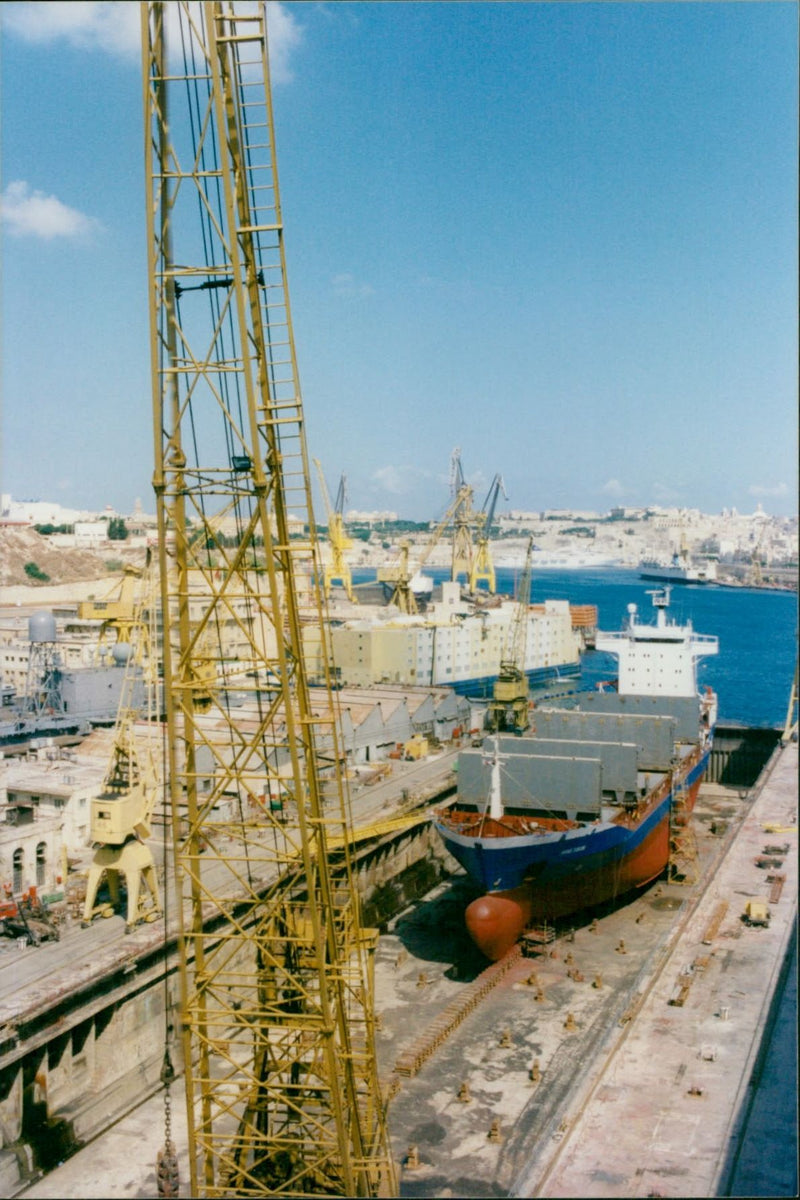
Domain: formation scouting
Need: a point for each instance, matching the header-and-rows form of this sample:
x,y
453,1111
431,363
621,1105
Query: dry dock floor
x,y
636,1095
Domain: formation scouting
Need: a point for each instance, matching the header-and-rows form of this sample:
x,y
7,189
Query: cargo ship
x,y
579,810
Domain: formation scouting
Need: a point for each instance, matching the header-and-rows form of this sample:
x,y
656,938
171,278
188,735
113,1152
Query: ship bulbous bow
x,y
495,921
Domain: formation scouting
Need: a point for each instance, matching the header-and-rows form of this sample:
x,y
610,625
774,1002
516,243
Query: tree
x,y
34,571
117,530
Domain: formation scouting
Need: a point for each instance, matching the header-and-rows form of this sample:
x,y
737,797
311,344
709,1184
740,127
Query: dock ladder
x,y
683,862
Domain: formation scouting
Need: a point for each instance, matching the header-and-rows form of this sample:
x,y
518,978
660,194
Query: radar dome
x,y
42,627
120,652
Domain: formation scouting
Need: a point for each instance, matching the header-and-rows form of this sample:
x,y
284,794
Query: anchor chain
x,y
167,1179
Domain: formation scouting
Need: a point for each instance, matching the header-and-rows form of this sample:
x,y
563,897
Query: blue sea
x,y
752,673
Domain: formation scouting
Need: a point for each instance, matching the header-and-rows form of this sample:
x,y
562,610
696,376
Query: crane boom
x,y
276,992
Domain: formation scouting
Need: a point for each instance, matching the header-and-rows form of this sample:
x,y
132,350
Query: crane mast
x,y
276,986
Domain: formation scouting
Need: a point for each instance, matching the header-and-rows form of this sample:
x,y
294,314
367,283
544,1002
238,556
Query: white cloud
x,y
347,286
398,481
84,24
664,494
612,487
32,213
284,35
776,489
113,26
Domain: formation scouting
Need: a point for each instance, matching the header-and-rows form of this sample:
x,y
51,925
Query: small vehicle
x,y
27,917
756,913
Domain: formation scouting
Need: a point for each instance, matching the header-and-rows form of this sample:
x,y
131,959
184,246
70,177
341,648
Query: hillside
x,y
22,545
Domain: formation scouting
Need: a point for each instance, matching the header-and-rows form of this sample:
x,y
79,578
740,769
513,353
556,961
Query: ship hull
x,y
544,878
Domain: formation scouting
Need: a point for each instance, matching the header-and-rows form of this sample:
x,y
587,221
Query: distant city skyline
x,y
561,237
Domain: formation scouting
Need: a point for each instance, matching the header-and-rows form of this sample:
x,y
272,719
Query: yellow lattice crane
x,y
336,567
482,564
508,708
401,573
464,520
276,968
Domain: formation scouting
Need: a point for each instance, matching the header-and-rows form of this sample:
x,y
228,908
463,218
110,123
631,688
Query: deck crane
x,y
482,565
277,1011
508,708
336,567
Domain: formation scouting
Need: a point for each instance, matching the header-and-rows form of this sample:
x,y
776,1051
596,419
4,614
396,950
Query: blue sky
x,y
560,236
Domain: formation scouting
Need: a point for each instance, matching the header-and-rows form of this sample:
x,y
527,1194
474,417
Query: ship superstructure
x,y
578,811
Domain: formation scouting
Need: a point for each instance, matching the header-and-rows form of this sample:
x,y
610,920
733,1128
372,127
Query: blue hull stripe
x,y
499,864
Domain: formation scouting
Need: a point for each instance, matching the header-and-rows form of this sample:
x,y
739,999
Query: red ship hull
x,y
496,920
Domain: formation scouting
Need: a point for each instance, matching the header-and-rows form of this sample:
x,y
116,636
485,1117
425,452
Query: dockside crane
x,y
508,709
121,613
463,517
276,977
755,576
120,817
336,567
482,565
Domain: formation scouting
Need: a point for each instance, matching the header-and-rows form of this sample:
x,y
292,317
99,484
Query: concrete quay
x,y
663,1114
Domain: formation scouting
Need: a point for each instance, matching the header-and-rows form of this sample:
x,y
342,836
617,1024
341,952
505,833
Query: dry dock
x,y
616,1062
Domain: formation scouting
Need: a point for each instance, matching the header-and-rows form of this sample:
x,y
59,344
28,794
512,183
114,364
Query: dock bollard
x,y
569,1024
535,1072
464,1093
505,1040
494,1131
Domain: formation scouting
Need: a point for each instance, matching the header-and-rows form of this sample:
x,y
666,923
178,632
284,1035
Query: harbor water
x,y
757,630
